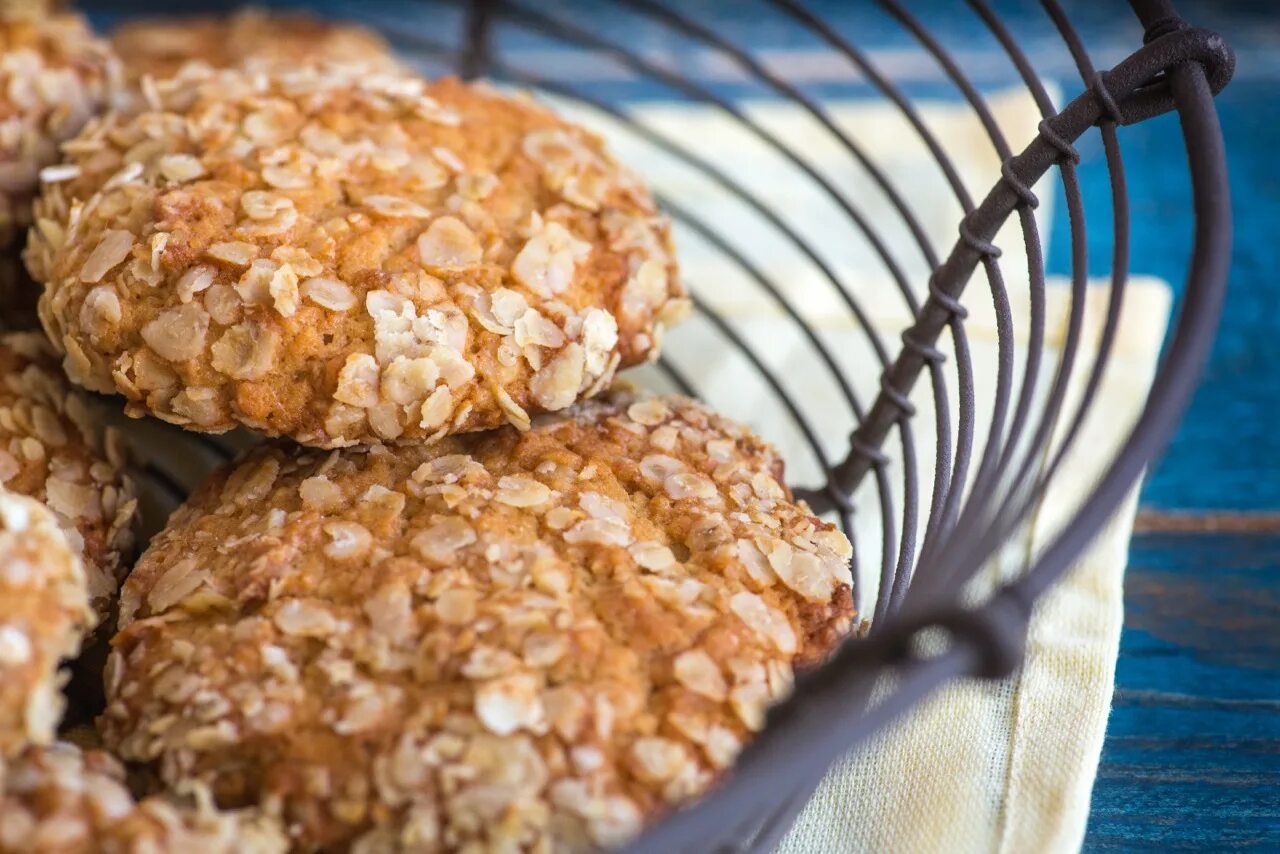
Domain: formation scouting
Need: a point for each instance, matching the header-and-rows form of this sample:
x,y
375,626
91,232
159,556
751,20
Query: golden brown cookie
x,y
44,612
54,76
62,799
549,636
249,38
345,257
53,449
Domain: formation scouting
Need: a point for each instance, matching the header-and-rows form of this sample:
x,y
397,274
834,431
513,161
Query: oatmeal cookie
x,y
53,449
70,800
44,612
343,257
547,636
54,76
250,38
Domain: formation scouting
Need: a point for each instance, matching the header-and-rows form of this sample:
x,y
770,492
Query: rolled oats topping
x,y
54,449
341,255
63,798
516,640
55,75
44,612
250,38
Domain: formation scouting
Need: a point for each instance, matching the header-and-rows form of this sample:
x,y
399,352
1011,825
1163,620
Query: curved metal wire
x,y
1120,243
1003,311
955,481
576,35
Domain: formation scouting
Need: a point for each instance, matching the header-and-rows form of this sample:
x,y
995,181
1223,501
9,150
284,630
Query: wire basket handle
x,y
1134,90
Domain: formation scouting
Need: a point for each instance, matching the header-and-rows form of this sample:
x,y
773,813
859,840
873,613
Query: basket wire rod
x,y
947,574
770,832
1033,247
709,234
1154,13
886,88
701,32
1137,80
694,29
910,522
165,481
569,32
996,457
1026,488
479,32
1120,228
951,317
1119,269
669,146
1185,353
828,499
1003,312
207,441
1009,518
1008,514
1035,255
882,483
1192,339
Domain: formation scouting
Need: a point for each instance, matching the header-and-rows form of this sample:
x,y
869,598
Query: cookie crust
x,y
44,613
343,257
62,799
55,75
540,637
54,449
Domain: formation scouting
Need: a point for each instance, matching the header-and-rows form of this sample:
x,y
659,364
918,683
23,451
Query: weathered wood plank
x,y
1220,522
1192,756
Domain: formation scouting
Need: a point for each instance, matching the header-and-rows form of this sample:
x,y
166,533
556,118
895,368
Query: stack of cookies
x,y
472,594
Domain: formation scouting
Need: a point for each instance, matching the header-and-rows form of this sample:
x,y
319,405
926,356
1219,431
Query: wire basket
x,y
940,520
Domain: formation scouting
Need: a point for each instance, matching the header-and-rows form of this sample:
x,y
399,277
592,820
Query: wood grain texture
x,y
1213,522
1192,756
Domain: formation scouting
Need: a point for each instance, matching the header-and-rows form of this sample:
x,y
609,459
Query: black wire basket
x,y
933,542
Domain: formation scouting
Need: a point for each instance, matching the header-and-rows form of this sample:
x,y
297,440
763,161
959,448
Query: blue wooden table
x,y
1192,756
